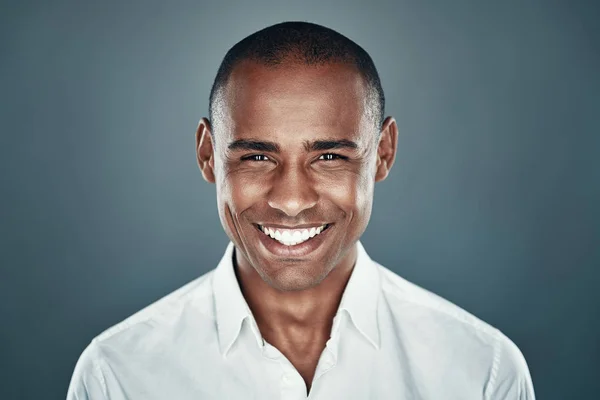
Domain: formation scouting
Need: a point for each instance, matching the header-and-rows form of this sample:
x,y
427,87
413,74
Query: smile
x,y
292,237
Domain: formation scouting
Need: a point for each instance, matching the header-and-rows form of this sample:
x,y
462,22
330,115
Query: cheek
x,y
240,191
234,196
365,189
351,192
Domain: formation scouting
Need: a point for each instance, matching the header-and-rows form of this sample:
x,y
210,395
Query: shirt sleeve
x,y
510,378
87,382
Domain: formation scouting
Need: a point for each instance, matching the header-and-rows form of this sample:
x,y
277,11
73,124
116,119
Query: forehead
x,y
303,100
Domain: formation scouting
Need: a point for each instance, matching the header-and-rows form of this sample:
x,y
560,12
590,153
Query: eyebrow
x,y
255,145
320,145
317,145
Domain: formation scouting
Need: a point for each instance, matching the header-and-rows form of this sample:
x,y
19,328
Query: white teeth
x,y
297,236
305,234
291,237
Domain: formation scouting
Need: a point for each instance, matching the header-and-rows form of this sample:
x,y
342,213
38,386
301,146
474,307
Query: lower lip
x,y
296,251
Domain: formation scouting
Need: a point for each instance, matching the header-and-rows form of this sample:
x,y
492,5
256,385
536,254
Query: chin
x,y
291,280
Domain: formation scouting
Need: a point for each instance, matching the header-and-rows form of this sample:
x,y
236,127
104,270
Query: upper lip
x,y
302,226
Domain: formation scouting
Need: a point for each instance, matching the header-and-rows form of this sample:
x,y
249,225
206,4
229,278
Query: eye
x,y
331,157
256,157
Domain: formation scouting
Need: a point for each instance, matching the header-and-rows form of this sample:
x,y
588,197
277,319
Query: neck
x,y
280,313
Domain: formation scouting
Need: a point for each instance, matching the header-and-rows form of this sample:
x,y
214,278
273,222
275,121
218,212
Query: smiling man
x,y
296,308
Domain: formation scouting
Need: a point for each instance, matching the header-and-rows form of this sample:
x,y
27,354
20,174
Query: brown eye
x,y
331,157
256,157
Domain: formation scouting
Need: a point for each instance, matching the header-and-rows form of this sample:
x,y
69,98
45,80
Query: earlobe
x,y
205,151
386,149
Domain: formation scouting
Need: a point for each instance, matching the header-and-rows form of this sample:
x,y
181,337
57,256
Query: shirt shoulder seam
x,y
97,370
495,368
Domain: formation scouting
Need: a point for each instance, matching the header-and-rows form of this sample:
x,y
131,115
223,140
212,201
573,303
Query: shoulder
x,y
166,311
455,335
154,327
410,299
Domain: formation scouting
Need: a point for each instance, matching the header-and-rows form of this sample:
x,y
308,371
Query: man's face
x,y
295,161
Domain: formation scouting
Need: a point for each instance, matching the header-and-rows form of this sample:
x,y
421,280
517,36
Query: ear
x,y
386,149
205,150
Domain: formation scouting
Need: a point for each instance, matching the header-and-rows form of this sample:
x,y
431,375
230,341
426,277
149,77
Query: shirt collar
x,y
230,306
360,300
361,296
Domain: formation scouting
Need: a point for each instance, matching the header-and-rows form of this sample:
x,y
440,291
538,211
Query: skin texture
x,y
290,182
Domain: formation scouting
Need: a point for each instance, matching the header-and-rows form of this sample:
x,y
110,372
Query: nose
x,y
292,191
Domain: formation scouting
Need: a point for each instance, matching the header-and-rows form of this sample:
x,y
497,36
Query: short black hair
x,y
306,43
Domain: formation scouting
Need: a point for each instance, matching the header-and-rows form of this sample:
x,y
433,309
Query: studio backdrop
x,y
493,201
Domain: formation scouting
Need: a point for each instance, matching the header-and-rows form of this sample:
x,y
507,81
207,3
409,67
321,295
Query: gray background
x,y
493,202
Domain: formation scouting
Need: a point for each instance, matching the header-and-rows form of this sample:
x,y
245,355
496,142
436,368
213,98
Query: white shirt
x,y
390,339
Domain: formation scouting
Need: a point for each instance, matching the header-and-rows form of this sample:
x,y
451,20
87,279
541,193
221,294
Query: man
x,y
296,308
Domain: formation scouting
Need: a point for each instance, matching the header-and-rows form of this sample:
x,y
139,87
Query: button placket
x,y
292,384
326,362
